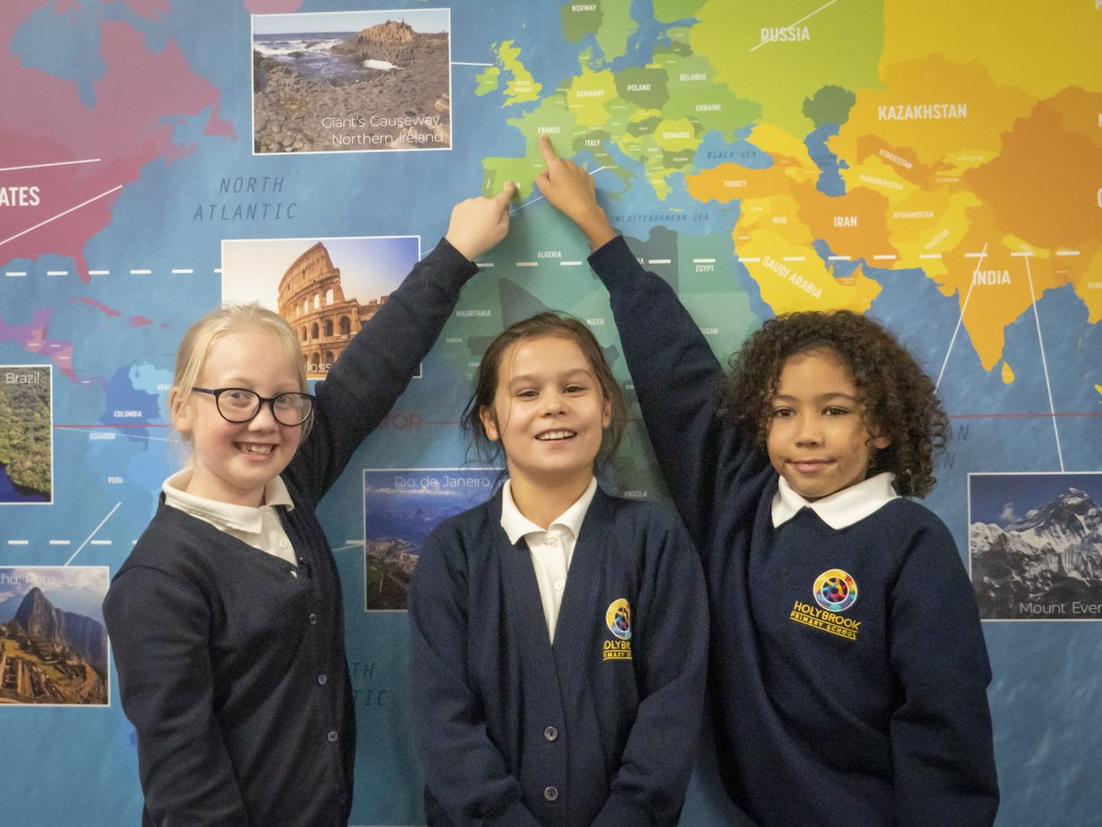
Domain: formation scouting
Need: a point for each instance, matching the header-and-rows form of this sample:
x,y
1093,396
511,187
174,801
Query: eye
x,y
836,411
527,393
782,413
575,388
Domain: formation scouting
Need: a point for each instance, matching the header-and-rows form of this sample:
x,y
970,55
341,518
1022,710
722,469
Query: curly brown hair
x,y
898,399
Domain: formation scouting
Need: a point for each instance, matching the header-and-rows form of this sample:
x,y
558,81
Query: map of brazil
x,y
936,166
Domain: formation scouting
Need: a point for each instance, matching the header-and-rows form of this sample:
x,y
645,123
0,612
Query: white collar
x,y
516,525
225,515
842,508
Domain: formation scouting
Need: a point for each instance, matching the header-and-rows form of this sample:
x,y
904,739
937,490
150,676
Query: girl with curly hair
x,y
848,666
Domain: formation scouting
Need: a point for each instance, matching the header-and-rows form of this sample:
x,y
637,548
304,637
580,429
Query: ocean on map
x,y
310,55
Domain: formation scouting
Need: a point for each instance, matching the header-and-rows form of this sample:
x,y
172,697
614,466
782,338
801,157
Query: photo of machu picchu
x,y
53,643
352,81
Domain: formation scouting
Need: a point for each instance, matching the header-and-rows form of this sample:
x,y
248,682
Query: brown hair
x,y
899,400
538,326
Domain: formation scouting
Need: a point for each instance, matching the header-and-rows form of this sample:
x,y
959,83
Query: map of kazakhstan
x,y
935,165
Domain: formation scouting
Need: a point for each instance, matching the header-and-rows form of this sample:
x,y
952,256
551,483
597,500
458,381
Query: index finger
x,y
548,150
506,194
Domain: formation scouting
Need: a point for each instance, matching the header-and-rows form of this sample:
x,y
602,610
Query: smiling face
x,y
548,413
231,462
817,438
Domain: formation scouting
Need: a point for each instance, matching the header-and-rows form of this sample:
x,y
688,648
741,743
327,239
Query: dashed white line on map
x,y
88,539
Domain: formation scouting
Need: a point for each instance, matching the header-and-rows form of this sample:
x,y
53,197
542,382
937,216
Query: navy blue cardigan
x,y
883,723
231,668
595,729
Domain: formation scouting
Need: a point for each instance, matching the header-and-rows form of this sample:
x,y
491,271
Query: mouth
x,y
260,449
809,466
556,436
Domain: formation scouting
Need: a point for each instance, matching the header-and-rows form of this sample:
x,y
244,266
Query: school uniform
x,y
229,647
601,725
848,670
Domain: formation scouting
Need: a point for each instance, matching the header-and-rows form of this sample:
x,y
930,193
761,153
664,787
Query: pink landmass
x,y
100,306
35,339
43,120
272,6
140,321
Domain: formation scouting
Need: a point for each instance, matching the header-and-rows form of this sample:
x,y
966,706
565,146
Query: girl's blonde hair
x,y
233,318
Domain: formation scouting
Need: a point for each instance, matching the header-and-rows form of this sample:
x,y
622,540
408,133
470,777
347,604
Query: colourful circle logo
x,y
835,590
618,618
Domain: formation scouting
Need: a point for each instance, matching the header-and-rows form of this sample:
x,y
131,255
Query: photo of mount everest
x,y
1035,545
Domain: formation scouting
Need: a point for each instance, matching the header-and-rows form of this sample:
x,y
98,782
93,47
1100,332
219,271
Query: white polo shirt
x,y
842,508
551,550
258,527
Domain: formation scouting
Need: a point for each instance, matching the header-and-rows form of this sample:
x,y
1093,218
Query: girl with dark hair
x,y
848,667
558,634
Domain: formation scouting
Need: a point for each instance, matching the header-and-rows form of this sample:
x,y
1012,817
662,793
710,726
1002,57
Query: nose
x,y
265,418
809,430
552,402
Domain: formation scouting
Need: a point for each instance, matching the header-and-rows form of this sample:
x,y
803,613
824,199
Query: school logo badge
x,y
618,620
835,590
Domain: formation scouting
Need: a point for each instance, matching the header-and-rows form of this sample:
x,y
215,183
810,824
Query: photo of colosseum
x,y
326,289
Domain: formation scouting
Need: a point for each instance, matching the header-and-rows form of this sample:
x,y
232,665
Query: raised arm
x,y
158,627
941,732
676,375
464,771
649,786
382,358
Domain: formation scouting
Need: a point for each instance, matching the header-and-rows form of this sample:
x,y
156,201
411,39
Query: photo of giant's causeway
x,y
380,80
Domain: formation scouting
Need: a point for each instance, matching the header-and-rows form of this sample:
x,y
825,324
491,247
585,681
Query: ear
x,y
881,442
180,412
489,423
606,414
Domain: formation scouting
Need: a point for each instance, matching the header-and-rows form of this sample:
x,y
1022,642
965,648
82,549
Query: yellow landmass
x,y
1039,47
954,143
1098,388
676,135
1008,374
589,96
788,286
522,87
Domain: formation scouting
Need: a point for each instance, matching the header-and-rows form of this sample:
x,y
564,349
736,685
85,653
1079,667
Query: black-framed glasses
x,y
240,405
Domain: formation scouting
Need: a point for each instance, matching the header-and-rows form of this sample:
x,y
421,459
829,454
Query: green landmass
x,y
668,11
580,24
25,429
830,106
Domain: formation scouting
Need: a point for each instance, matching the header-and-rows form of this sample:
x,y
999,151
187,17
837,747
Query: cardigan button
x,y
551,734
313,618
551,793
332,736
323,679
